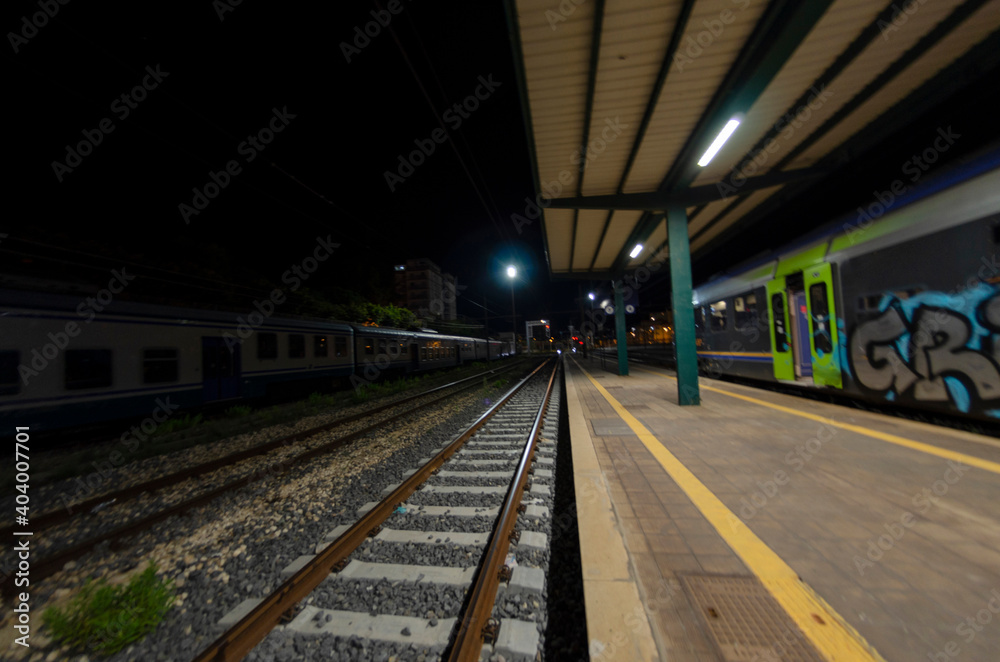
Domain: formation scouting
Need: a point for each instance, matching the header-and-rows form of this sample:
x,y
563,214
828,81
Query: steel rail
x,y
53,517
251,629
468,643
49,565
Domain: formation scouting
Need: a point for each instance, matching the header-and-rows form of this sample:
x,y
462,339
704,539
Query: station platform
x,y
760,526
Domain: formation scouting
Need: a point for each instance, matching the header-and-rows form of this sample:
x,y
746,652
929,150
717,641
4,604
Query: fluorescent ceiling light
x,y
636,250
720,140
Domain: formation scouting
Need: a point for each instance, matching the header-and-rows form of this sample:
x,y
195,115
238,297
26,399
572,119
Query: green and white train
x,y
895,305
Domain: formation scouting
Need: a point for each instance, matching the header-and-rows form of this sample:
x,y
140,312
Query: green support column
x,y
620,328
680,279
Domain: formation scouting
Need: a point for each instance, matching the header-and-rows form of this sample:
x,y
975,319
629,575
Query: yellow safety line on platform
x,y
832,636
970,460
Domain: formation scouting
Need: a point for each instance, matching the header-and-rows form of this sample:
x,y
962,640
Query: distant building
x,y
421,287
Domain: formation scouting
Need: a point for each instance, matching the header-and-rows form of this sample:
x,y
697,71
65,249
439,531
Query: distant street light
x,y
512,274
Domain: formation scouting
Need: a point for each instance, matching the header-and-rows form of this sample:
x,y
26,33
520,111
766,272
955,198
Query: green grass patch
x,y
103,619
176,424
239,411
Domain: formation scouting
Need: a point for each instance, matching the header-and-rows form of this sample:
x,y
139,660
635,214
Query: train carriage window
x,y
869,302
745,310
381,346
267,345
88,368
717,316
339,346
296,346
423,353
370,346
159,366
9,382
320,348
820,309
699,317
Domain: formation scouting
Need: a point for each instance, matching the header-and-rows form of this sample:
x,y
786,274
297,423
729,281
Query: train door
x,y
414,356
824,343
458,353
800,321
781,347
220,369
804,341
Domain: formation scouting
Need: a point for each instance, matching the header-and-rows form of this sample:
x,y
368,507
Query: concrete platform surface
x,y
878,537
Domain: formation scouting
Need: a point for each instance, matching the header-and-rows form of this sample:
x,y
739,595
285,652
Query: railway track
x,y
459,509
54,561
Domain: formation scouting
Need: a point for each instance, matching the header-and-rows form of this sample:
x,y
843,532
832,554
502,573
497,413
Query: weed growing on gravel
x,y
176,424
239,411
103,619
321,400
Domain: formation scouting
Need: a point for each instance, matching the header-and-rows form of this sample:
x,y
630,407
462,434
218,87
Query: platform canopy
x,y
637,90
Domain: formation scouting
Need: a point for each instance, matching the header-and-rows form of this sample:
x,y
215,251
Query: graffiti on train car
x,y
933,347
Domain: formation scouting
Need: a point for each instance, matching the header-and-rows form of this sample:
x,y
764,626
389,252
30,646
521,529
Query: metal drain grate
x,y
744,621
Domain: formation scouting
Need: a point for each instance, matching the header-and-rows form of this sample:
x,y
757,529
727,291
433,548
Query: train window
x,y
340,346
370,346
320,348
296,346
820,309
699,317
745,310
267,345
88,368
159,366
869,302
381,346
423,353
717,316
778,315
9,382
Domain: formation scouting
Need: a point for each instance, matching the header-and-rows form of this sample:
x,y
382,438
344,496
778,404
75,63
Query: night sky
x,y
217,81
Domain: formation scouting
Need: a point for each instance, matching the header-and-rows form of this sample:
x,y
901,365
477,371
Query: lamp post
x,y
512,274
